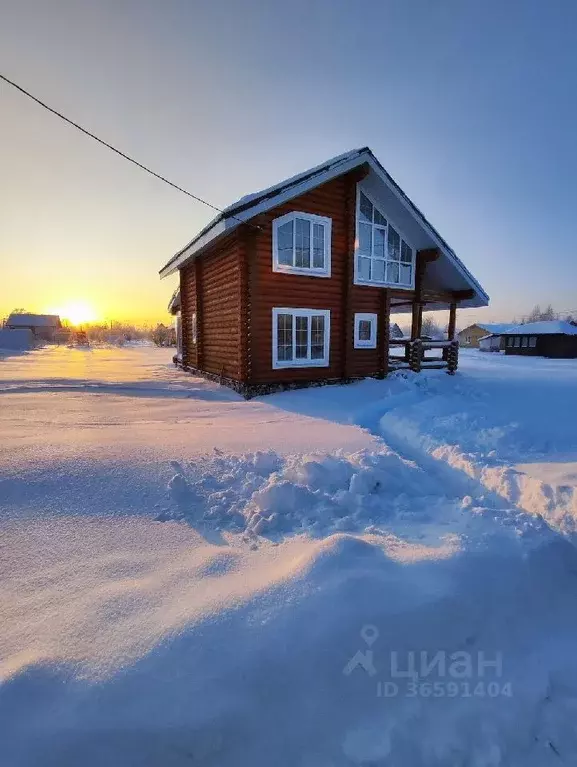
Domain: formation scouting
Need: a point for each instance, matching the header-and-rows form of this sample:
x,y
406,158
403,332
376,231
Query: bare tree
x,y
539,315
431,328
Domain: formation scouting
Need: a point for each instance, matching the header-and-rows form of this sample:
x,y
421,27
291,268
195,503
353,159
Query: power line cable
x,y
117,151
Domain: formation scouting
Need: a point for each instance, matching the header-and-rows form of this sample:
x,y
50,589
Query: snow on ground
x,y
188,578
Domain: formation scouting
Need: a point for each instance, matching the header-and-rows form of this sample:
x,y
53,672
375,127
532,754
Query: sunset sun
x,y
76,312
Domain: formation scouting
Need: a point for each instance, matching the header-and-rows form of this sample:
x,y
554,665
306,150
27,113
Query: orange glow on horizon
x,y
76,312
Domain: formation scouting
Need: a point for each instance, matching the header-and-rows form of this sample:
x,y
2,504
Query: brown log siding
x,y
211,286
188,306
221,312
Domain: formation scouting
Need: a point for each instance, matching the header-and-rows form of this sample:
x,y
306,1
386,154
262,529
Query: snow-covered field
x,y
376,574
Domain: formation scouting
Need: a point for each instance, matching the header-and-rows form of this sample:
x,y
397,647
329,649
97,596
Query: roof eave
x,y
215,229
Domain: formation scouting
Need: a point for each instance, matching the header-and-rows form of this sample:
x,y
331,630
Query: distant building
x,y
492,343
548,338
470,336
43,326
19,339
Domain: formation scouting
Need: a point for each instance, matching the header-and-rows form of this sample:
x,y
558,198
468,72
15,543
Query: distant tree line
x,y
547,314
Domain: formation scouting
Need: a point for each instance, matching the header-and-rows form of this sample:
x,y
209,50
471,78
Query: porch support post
x,y
452,321
384,331
423,258
417,320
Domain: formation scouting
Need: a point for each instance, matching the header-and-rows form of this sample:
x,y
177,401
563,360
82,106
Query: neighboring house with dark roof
x,y
43,326
547,338
296,284
471,335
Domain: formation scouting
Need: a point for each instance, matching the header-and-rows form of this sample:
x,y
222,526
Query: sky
x,y
469,105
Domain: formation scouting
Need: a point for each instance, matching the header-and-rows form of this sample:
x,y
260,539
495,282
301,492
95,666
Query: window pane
x,y
365,209
517,342
380,219
365,330
285,243
510,341
524,341
533,342
379,242
303,243
378,270
364,245
302,332
392,272
317,337
318,246
406,253
394,244
284,337
406,274
364,268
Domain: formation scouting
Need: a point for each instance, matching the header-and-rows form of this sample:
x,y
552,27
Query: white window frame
x,y
308,271
194,328
384,283
304,362
372,342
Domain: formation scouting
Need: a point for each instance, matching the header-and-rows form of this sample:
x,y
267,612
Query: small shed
x,y
43,326
548,338
491,343
16,339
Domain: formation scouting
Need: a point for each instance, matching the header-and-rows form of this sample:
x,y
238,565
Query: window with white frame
x,y
517,342
300,337
532,341
510,341
365,331
193,328
382,256
301,244
525,342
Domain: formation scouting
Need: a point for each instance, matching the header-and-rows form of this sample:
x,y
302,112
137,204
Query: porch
x,y
417,353
420,354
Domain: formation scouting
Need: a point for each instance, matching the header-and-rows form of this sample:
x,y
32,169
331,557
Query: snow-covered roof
x,y
496,327
34,320
448,269
544,327
174,303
